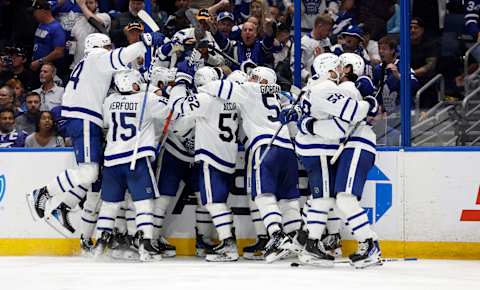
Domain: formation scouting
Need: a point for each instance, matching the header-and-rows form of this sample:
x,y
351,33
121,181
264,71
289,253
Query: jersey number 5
x,y
227,134
128,129
275,107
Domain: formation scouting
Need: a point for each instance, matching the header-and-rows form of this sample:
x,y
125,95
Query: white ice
x,y
52,273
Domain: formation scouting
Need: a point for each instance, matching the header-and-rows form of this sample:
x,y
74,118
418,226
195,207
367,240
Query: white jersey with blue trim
x,y
363,137
121,115
334,108
216,129
91,78
259,106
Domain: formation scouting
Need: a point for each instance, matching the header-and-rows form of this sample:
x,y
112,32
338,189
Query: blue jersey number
x,y
274,109
128,128
75,75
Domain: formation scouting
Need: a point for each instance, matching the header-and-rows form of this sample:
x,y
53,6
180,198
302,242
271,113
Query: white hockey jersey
x,y
91,78
216,129
121,115
334,108
260,108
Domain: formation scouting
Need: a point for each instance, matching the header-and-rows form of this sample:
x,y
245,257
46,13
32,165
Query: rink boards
x,y
423,204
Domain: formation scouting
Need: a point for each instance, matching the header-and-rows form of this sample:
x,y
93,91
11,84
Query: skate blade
x,y
128,255
367,263
276,255
221,258
257,256
31,207
148,258
169,254
310,260
200,253
57,226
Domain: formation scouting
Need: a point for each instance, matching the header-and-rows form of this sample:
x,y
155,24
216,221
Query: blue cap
x,y
353,30
224,15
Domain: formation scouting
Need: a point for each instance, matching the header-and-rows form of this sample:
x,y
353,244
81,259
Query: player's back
x,y
121,115
88,85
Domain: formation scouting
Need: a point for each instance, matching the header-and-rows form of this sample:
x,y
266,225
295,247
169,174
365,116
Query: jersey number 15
x,y
127,127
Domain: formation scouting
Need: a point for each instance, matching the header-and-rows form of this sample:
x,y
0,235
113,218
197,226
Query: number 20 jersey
x,y
121,115
216,129
259,111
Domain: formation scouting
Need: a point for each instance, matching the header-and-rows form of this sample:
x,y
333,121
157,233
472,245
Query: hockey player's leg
x,y
257,250
353,166
214,186
122,246
292,224
105,224
332,240
90,212
160,209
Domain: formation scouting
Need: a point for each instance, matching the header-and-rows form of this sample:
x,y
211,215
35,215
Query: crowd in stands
x,y
42,41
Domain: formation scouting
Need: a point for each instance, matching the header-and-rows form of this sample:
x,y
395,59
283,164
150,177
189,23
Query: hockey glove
x,y
185,73
372,112
152,39
305,125
290,114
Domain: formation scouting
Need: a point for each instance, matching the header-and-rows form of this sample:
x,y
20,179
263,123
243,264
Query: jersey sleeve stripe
x,y
338,125
119,57
362,140
316,146
111,61
83,110
344,108
220,89
354,111
230,91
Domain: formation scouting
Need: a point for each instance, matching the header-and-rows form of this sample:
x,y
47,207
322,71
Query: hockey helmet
x,y
324,63
125,79
96,40
262,73
356,61
162,74
204,75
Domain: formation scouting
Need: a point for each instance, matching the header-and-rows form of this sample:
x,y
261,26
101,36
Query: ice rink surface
x,y
59,273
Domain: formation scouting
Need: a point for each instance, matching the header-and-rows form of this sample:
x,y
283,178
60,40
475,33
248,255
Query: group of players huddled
x,y
185,124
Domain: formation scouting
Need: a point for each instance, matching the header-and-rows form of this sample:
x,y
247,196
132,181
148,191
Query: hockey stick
x,y
264,154
222,53
154,27
296,264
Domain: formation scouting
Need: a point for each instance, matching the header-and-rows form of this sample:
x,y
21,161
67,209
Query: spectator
x,y
345,17
282,53
7,100
393,24
315,43
19,97
350,42
49,37
225,22
133,31
28,120
5,67
375,14
19,71
424,59
250,48
181,18
371,46
259,9
9,136
49,91
312,8
83,28
46,135
118,24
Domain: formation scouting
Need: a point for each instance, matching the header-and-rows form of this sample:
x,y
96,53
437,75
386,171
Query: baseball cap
x,y
16,50
134,25
203,14
353,30
225,15
41,5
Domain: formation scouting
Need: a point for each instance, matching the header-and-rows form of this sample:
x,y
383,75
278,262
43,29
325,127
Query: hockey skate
x,y
122,247
257,250
225,252
86,247
102,244
59,220
201,245
36,201
166,249
368,254
316,255
299,240
278,246
333,244
147,252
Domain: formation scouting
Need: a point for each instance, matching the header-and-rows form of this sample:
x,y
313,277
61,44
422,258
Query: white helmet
x,y
96,40
355,61
125,79
162,74
324,63
204,75
237,76
264,73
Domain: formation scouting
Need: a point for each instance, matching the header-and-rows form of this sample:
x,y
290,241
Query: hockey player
x,y
258,104
216,127
82,106
121,112
327,112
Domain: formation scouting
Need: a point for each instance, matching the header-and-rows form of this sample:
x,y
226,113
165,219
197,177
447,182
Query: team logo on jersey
x,y
383,195
3,186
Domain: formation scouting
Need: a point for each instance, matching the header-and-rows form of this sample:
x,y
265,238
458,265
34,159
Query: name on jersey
x,y
124,106
270,89
229,106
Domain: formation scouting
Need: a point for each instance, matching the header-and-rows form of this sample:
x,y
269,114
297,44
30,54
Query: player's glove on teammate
x,y
372,112
152,39
305,125
290,114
